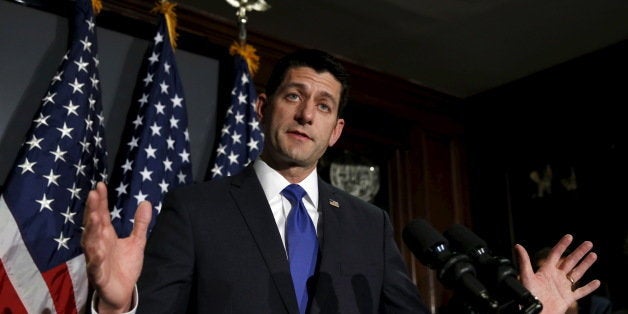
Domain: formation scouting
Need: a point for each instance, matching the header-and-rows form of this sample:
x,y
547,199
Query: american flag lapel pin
x,y
334,203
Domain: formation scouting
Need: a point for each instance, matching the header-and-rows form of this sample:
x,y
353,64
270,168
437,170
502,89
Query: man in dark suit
x,y
224,246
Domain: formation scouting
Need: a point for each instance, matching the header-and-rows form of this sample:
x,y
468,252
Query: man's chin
x,y
298,160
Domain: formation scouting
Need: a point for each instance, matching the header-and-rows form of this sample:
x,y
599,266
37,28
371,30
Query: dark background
x,y
569,117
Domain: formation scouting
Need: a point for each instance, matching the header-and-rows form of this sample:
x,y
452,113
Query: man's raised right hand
x,y
113,264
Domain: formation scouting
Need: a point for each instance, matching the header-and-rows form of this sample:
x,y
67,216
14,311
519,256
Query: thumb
x,y
143,215
525,266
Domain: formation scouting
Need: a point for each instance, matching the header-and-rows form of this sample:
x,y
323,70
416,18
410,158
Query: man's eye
x,y
324,107
292,97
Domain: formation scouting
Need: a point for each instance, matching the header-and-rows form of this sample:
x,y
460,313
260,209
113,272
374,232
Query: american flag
x,y
154,155
41,207
241,139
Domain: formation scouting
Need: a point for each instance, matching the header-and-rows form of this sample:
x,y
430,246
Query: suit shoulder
x,y
199,186
218,185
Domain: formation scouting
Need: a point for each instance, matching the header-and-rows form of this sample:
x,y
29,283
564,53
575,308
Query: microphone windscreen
x,y
464,239
421,238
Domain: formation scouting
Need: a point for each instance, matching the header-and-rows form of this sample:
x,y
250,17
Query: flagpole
x,y
244,6
242,19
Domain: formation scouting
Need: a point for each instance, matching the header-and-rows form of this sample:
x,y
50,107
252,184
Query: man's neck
x,y
292,173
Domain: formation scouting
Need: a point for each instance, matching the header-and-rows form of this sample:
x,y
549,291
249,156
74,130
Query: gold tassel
x,y
248,53
96,6
167,9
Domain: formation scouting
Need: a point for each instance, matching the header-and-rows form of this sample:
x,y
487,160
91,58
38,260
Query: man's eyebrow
x,y
328,95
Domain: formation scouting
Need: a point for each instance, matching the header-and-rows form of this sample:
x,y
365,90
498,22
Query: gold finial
x,y
167,9
96,6
248,54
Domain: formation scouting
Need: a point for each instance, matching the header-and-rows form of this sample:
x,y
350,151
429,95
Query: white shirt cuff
x,y
135,302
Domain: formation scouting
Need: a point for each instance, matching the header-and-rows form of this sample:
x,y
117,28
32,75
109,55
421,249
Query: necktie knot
x,y
294,193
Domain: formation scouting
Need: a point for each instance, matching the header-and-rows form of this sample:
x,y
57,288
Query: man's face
x,y
301,120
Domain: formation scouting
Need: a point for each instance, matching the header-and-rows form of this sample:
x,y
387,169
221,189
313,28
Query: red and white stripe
x,y
24,289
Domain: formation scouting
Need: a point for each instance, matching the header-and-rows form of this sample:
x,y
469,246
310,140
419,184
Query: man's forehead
x,y
307,77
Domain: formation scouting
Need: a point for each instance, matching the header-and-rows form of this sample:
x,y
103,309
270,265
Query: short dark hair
x,y
318,60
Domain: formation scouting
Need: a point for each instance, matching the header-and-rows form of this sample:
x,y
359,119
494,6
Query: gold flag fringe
x,y
248,53
167,9
96,6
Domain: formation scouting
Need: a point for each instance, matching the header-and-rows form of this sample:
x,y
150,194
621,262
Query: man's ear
x,y
260,106
335,134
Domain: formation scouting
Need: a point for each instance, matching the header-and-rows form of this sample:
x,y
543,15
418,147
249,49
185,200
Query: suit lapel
x,y
251,200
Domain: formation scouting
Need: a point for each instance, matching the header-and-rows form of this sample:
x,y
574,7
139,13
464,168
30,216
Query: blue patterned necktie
x,y
301,243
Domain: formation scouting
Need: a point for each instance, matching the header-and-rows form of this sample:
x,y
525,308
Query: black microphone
x,y
454,270
497,272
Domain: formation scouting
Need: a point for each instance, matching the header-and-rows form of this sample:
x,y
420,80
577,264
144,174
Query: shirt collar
x,y
273,182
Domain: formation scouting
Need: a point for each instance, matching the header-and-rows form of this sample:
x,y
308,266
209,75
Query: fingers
x,y
523,259
143,216
96,215
576,264
578,272
576,257
555,254
587,289
96,207
96,220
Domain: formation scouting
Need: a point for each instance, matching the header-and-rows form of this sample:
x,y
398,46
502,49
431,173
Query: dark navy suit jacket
x,y
216,249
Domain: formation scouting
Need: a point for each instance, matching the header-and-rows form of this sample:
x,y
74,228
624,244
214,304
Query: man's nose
x,y
306,112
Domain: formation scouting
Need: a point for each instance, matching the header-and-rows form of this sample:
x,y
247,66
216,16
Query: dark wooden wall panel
x,y
429,181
